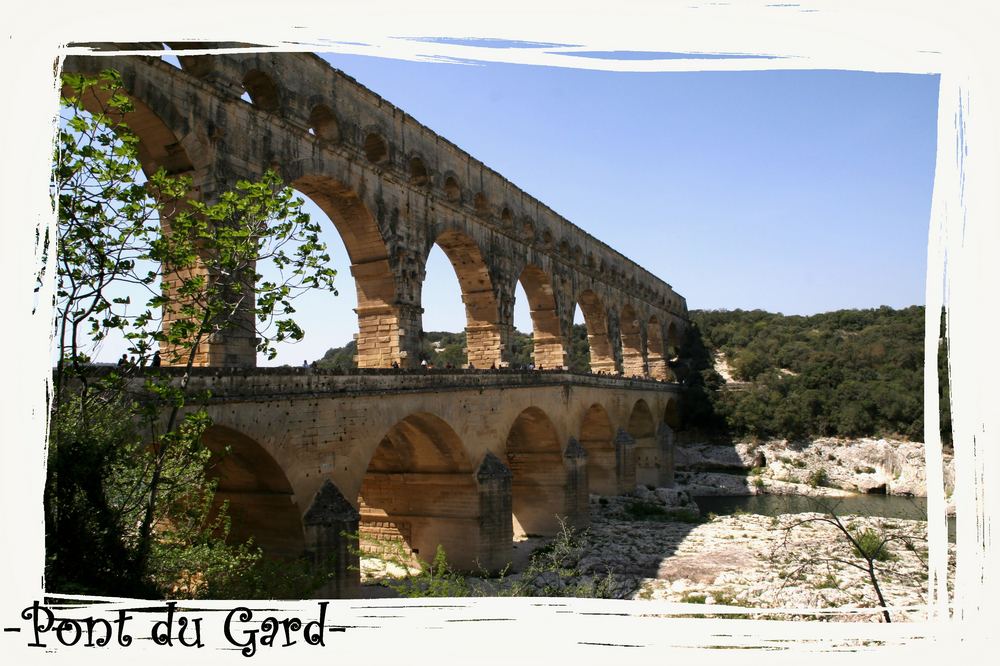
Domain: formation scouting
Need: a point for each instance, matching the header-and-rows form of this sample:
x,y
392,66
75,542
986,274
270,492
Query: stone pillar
x,y
658,366
234,345
484,335
496,531
615,342
625,461
665,447
331,528
577,487
386,334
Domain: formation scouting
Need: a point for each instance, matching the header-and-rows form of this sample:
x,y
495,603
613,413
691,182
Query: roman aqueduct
x,y
457,458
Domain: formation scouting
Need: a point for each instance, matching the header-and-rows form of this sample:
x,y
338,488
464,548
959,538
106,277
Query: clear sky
x,y
790,191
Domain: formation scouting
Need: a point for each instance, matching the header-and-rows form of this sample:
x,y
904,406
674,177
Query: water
x,y
886,506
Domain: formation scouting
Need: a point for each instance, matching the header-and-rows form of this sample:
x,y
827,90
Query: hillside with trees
x,y
847,373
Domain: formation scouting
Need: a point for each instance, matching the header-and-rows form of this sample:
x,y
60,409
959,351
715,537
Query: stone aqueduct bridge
x,y
427,458
465,459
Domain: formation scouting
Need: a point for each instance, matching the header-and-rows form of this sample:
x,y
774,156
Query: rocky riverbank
x,y
655,545
823,467
760,562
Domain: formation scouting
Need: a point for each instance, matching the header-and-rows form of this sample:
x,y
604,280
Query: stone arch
x,y
158,132
420,491
506,218
538,474
655,353
263,91
597,438
419,175
379,315
323,123
596,318
633,363
376,148
482,329
452,189
672,414
261,500
642,429
640,420
547,337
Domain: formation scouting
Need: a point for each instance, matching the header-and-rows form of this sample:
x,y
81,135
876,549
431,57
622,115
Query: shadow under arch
x,y
633,363
672,414
541,488
420,491
261,500
642,428
597,438
547,336
483,337
378,313
596,319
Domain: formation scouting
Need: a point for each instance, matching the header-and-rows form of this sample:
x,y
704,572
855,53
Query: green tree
x,y
124,459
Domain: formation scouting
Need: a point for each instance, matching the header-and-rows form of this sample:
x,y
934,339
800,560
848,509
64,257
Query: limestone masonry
x,y
461,459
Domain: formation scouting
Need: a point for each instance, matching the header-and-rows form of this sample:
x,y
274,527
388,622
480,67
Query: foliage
x,y
847,373
129,508
818,477
868,547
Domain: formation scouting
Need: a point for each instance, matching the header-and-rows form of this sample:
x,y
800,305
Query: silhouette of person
x,y
123,361
155,363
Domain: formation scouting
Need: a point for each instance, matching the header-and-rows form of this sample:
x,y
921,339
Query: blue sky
x,y
790,191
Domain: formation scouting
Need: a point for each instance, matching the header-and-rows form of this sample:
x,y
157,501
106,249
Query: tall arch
x,y
484,339
547,335
633,363
380,320
597,439
261,501
538,474
601,356
420,492
654,350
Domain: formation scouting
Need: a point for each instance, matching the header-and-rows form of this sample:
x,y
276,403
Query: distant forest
x,y
849,373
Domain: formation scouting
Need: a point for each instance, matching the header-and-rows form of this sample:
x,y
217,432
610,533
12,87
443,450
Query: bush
x,y
818,477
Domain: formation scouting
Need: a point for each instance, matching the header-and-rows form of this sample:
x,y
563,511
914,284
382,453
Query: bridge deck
x,y
241,384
